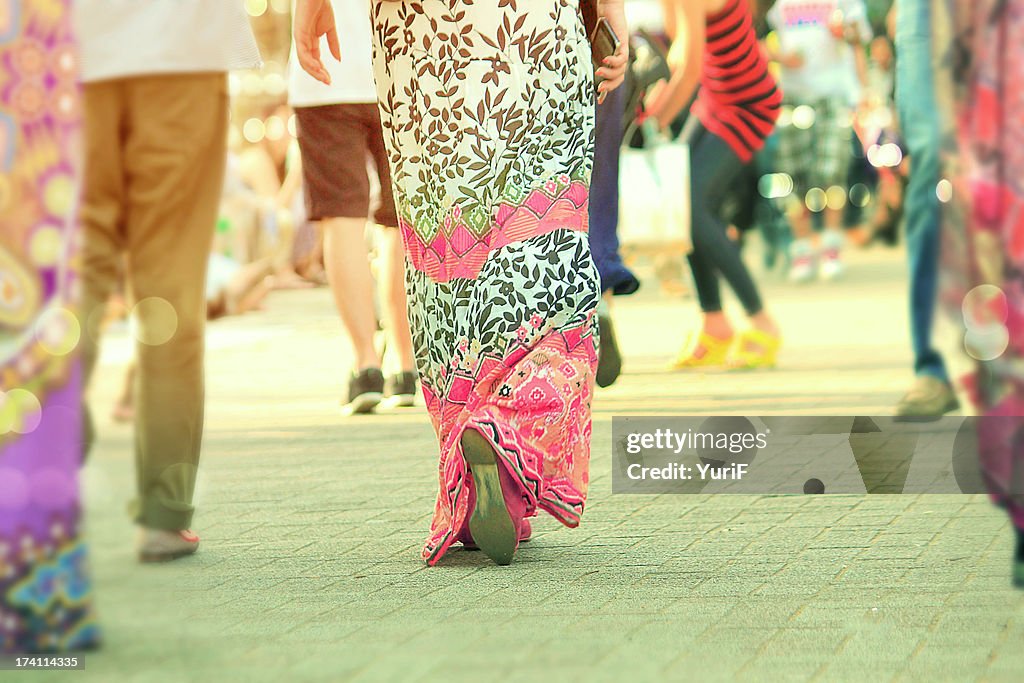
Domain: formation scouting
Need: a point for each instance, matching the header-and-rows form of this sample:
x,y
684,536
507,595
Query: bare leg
x,y
717,325
392,285
347,261
764,322
124,410
248,287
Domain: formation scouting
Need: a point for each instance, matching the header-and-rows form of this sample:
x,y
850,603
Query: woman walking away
x,y
736,110
488,116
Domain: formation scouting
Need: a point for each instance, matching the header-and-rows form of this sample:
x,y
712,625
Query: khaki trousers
x,y
154,166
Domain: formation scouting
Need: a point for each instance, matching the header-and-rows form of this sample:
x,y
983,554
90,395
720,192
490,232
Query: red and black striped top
x,y
739,99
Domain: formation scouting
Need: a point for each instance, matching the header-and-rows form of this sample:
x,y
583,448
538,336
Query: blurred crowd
x,y
832,175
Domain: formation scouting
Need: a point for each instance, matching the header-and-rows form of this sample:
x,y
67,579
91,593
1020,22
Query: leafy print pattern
x,y
487,107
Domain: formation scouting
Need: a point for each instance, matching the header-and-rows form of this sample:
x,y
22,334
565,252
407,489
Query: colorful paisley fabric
x,y
45,593
980,84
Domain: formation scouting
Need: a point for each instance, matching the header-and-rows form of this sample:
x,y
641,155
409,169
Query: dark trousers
x,y
604,197
714,166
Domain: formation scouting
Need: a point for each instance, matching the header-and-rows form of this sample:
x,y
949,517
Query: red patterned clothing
x,y
739,100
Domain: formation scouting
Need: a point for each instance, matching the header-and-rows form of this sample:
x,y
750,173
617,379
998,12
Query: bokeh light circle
x,y
58,331
944,191
20,412
860,195
816,199
154,321
253,130
987,343
58,195
835,198
256,8
775,185
985,305
803,117
45,246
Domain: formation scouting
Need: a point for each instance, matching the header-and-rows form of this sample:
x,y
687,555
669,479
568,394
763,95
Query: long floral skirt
x,y
488,119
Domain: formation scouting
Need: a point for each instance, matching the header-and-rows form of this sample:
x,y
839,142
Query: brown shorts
x,y
336,140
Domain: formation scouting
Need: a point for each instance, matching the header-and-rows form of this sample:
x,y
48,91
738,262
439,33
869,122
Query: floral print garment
x,y
980,79
45,588
487,109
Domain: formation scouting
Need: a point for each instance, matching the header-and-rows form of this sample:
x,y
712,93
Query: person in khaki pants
x,y
155,113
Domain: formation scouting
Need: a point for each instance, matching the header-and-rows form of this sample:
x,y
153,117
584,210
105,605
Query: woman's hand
x,y
613,70
313,19
657,105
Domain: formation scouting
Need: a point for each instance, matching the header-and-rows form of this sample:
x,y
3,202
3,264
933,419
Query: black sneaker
x,y
609,360
401,389
365,391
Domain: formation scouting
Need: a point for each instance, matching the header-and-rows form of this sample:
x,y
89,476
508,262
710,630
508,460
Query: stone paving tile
x,y
312,527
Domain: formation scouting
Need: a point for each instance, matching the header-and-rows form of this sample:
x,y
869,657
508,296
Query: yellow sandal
x,y
755,349
716,352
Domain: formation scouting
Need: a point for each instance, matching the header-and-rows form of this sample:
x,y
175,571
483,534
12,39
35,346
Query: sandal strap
x,y
766,346
765,340
714,347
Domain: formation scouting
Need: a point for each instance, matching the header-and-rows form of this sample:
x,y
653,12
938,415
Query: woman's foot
x,y
466,538
757,347
159,545
289,279
123,413
706,352
499,509
711,348
609,363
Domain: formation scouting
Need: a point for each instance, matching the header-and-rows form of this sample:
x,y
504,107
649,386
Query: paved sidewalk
x,y
312,526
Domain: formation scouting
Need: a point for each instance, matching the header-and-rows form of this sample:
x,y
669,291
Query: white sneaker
x,y
801,267
831,246
831,266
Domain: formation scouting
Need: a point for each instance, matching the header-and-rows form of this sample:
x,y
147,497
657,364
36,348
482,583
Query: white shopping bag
x,y
654,193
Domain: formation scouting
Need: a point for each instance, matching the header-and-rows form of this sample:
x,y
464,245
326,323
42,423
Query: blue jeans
x,y
604,197
915,103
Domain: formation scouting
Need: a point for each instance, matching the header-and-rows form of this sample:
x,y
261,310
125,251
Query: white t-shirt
x,y
121,38
352,77
829,69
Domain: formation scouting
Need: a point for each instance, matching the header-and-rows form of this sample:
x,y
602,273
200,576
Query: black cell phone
x,y
603,42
